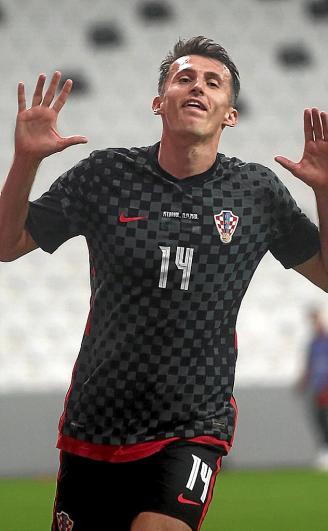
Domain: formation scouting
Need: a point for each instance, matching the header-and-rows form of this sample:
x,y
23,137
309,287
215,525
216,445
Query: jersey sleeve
x,y
295,238
62,212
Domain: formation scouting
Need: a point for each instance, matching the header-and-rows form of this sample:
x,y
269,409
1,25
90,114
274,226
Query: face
x,y
196,101
317,322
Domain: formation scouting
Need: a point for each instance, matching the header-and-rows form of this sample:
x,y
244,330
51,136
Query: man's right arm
x,y
15,240
36,137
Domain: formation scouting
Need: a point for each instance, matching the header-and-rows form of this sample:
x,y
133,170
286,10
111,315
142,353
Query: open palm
x,y
36,132
312,169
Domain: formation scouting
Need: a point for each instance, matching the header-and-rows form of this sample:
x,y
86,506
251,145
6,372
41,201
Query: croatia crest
x,y
64,522
226,223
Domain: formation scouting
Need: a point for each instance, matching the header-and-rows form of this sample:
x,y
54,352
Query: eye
x,y
212,83
184,79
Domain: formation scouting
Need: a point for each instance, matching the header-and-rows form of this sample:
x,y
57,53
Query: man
x,y
315,380
175,232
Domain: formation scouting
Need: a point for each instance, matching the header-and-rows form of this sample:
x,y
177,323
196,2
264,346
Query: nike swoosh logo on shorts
x,y
125,219
182,499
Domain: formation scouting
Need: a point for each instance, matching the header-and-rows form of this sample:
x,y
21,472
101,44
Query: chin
x,y
196,133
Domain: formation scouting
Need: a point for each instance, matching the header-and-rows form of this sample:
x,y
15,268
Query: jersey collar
x,y
213,173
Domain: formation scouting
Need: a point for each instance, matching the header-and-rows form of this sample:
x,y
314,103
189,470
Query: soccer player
x,y
175,232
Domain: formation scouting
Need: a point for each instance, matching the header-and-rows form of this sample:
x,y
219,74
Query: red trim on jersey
x,y
234,405
127,452
87,328
236,341
62,418
210,492
112,453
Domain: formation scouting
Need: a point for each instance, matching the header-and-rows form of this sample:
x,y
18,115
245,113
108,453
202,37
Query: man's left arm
x,y
312,169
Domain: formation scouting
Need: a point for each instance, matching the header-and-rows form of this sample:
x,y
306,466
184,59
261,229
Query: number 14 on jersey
x,y
183,261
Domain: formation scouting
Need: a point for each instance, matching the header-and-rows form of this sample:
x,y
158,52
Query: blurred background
x,y
112,51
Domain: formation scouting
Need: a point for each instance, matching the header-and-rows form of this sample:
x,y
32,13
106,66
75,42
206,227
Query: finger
x,y
324,121
308,128
317,127
286,163
64,93
21,100
73,140
37,96
50,94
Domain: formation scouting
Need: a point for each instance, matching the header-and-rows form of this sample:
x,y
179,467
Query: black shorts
x,y
95,495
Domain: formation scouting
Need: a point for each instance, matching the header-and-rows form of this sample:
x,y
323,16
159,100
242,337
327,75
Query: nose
x,y
197,87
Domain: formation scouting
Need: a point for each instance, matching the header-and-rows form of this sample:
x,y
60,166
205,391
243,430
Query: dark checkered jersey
x,y
170,261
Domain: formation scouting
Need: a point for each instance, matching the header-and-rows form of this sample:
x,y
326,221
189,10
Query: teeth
x,y
194,104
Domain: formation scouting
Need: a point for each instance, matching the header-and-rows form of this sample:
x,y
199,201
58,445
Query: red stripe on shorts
x,y
210,492
54,516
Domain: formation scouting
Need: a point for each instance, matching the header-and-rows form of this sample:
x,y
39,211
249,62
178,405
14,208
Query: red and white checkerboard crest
x,y
226,223
64,522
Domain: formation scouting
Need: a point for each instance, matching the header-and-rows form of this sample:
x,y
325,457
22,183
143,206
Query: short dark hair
x,y
199,46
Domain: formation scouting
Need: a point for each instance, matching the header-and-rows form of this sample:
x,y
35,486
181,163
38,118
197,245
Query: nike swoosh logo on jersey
x,y
125,219
182,499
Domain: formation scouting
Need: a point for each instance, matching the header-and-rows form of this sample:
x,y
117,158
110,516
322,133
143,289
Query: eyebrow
x,y
208,74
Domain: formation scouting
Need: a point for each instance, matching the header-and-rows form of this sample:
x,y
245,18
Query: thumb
x,y
68,141
286,163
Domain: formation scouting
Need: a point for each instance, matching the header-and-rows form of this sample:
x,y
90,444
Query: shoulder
x,y
250,173
251,169
118,156
116,167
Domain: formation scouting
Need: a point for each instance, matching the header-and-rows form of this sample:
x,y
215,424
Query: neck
x,y
182,158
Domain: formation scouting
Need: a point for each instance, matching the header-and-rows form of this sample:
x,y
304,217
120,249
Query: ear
x,y
231,118
156,105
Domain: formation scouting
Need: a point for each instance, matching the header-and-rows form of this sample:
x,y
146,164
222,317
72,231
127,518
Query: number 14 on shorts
x,y
199,468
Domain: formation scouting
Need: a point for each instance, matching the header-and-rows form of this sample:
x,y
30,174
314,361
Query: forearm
x,y
322,206
14,204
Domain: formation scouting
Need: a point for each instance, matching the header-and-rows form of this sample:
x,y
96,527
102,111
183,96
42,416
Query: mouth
x,y
195,104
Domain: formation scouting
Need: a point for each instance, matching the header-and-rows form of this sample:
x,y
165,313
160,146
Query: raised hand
x,y
312,169
36,134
